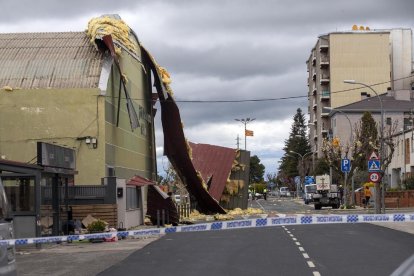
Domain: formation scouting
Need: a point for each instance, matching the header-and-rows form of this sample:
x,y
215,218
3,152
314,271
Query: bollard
x,y
163,217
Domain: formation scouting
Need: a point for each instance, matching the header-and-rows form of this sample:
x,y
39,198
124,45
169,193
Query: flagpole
x,y
245,122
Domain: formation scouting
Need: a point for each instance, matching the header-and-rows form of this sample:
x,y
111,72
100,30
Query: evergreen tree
x,y
297,142
256,170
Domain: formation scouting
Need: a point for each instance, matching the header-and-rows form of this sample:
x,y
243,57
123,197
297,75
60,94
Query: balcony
x,y
324,114
324,47
314,76
314,91
324,79
325,95
324,63
313,61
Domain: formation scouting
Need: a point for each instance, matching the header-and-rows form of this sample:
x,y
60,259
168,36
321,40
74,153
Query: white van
x,y
310,189
284,191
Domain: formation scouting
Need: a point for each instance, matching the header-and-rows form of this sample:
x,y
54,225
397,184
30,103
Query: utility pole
x,y
238,141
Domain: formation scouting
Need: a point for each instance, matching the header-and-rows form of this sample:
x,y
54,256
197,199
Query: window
x,y
133,198
389,122
20,193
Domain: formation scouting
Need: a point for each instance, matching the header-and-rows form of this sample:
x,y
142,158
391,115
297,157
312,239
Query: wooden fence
x,y
401,199
105,212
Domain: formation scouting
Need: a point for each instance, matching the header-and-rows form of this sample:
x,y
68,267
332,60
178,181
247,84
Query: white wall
x,y
129,218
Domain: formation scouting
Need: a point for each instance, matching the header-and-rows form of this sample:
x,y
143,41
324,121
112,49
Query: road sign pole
x,y
345,200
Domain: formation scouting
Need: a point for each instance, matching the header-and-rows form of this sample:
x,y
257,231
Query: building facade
x,y
59,88
398,112
367,56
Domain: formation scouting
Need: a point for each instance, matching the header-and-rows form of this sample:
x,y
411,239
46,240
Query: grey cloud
x,y
230,61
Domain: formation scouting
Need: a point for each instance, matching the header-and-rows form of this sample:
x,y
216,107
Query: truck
x,y
7,251
326,194
310,190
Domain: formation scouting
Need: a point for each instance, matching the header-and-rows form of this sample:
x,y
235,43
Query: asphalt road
x,y
281,205
337,249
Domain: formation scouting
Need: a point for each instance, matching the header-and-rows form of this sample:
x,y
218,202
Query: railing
x,y
326,94
76,192
183,210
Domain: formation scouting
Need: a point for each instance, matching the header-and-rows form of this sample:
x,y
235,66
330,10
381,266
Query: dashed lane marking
x,y
304,254
310,264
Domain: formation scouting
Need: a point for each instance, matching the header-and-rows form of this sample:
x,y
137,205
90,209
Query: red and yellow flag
x,y
248,132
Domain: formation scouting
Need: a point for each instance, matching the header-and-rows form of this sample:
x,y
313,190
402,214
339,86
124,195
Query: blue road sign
x,y
345,165
374,165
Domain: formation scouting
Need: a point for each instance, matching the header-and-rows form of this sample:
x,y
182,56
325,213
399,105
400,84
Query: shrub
x,y
97,226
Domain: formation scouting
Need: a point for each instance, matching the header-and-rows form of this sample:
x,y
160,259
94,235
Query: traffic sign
x,y
374,177
373,155
345,165
374,165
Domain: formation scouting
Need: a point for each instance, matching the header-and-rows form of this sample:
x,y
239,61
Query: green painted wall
x,y
129,152
61,116
55,116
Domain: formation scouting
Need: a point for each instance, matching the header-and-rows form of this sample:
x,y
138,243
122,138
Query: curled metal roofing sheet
x,y
49,60
213,161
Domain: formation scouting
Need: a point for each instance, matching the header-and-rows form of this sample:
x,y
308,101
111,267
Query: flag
x,y
248,132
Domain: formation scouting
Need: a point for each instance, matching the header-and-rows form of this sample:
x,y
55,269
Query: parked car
x,y
284,192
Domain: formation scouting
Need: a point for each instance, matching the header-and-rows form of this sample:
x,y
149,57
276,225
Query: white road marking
x,y
301,249
311,264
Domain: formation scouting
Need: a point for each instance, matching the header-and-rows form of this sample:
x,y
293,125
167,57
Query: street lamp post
x,y
245,122
378,191
351,139
302,157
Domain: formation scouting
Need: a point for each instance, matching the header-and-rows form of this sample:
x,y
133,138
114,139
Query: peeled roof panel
x,y
214,161
49,60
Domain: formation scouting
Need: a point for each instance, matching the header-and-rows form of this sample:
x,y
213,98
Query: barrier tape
x,y
223,225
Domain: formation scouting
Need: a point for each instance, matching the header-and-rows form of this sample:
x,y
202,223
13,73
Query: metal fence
x,y
87,192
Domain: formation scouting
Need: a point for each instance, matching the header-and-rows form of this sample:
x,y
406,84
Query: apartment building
x,y
378,58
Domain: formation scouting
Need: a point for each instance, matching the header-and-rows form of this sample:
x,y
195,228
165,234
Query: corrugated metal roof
x,y
49,60
213,161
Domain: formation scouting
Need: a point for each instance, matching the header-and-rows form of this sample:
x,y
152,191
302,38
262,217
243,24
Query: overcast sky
x,y
223,50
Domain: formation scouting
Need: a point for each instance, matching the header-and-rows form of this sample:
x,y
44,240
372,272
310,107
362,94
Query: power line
x,y
268,99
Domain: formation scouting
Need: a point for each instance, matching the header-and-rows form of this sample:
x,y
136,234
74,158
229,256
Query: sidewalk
x,y
77,258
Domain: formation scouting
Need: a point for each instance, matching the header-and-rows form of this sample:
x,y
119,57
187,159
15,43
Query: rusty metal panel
x,y
49,60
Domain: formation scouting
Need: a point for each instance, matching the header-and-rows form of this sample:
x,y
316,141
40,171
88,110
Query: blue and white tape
x,y
223,225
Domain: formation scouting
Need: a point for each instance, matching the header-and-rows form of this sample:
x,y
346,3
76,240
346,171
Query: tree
x,y
298,142
256,170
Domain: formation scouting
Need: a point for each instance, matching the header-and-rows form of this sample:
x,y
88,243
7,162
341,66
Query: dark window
x,y
20,193
133,198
